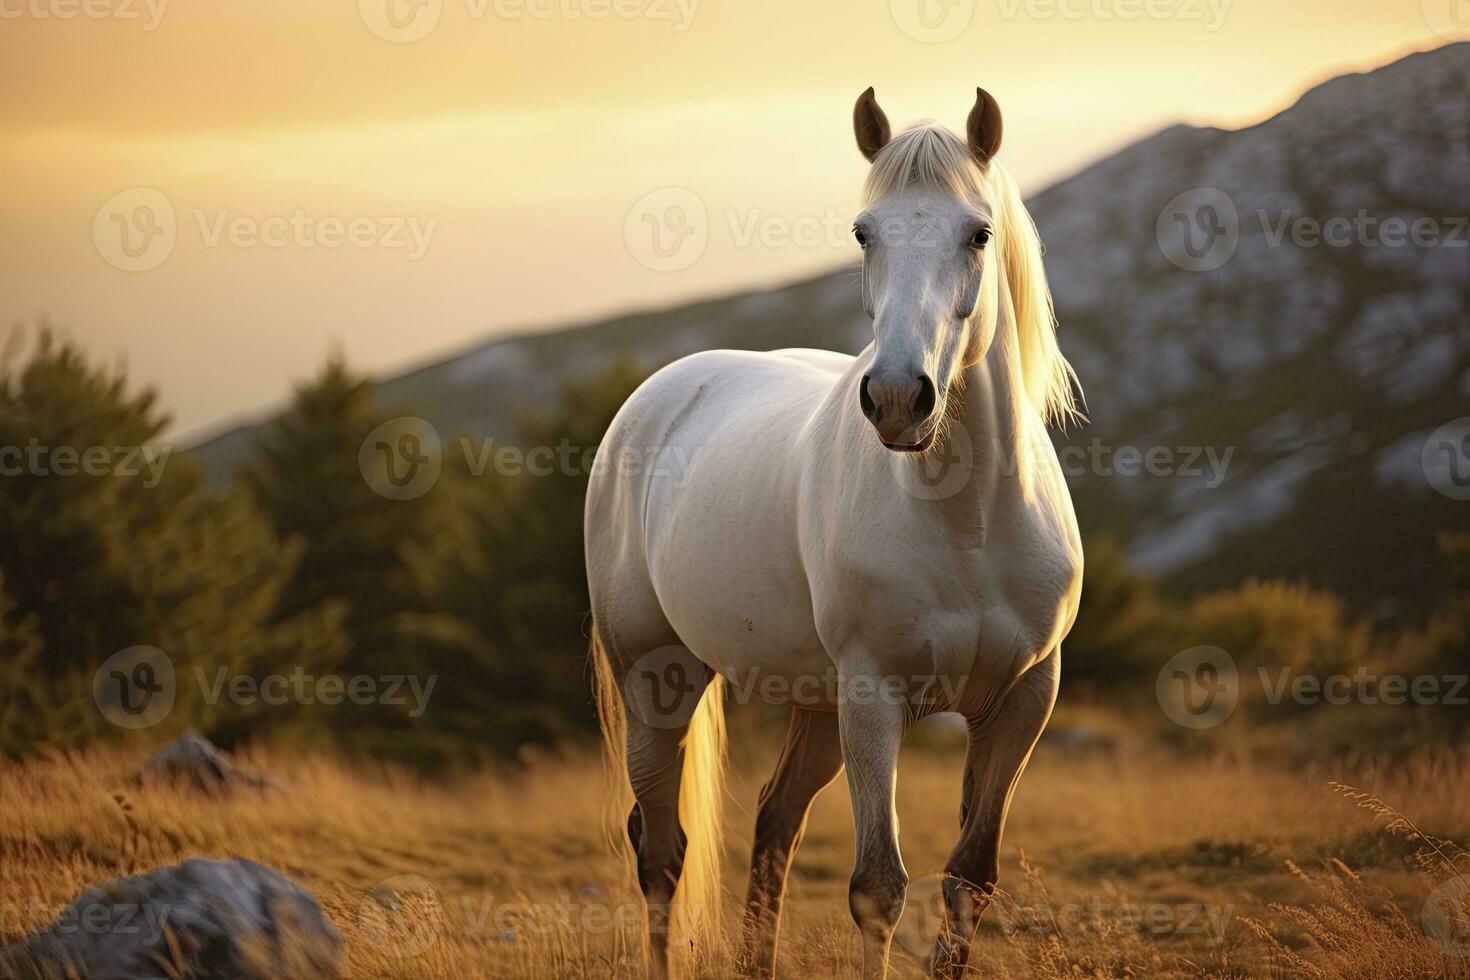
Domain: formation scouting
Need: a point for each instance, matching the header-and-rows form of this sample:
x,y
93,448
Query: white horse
x,y
865,581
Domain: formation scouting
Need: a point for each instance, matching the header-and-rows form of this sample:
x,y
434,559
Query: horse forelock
x,y
926,155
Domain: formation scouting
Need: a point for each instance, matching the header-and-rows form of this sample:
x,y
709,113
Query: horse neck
x,y
993,409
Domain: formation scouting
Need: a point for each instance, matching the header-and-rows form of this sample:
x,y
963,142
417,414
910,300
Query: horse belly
x,y
730,582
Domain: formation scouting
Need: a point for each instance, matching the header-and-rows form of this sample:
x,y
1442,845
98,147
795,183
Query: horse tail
x,y
701,812
612,719
698,898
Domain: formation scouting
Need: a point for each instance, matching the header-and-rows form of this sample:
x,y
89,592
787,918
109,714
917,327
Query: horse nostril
x,y
872,411
924,401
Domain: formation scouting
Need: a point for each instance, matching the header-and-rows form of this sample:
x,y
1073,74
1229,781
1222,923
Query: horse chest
x,y
1026,604
982,613
1022,592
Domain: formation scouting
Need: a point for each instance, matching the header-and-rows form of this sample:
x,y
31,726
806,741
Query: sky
x,y
220,193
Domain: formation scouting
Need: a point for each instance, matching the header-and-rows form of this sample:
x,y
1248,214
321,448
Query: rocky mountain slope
x,y
1278,314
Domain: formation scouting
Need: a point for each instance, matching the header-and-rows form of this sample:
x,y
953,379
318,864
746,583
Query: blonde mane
x,y
929,155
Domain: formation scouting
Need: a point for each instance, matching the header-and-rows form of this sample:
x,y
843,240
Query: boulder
x,y
212,920
194,761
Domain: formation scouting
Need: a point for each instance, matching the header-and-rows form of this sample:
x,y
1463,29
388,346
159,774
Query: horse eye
x,y
981,239
861,236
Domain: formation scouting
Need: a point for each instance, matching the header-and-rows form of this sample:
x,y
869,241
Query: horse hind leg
x,y
655,764
998,751
652,700
810,759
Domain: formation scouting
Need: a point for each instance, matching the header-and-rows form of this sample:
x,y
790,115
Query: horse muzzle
x,y
901,406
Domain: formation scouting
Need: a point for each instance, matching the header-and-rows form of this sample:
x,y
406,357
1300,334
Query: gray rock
x,y
194,761
213,920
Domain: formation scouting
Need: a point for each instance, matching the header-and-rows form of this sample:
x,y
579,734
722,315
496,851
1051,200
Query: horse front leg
x,y
872,731
810,760
999,747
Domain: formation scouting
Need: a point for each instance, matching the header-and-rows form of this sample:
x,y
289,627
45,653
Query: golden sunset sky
x,y
517,135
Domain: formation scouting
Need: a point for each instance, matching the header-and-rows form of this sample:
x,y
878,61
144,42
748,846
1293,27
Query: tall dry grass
x,y
1126,862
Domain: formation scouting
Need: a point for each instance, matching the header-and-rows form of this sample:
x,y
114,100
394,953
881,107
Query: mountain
x,y
1242,300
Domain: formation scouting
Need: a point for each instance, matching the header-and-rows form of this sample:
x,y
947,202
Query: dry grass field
x,y
1119,862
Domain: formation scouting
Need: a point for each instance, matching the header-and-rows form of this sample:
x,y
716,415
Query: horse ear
x,y
983,129
870,124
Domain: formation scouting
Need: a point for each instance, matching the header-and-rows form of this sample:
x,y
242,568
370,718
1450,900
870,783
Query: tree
x,y
110,540
317,474
28,703
517,593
